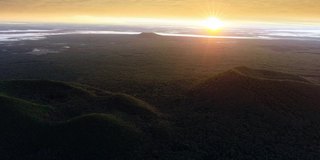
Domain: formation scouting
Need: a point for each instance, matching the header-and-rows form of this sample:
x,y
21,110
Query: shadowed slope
x,y
45,119
243,86
97,136
14,106
253,114
271,75
70,100
239,114
21,122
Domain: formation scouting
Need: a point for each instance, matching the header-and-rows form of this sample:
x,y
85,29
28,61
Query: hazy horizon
x,y
36,31
107,11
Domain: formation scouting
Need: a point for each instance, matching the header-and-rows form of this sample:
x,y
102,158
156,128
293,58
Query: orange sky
x,y
240,10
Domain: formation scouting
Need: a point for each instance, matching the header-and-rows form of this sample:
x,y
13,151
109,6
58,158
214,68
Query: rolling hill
x,y
242,113
246,113
149,35
243,86
43,119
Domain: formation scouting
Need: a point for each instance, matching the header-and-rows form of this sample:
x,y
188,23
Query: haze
x,y
306,11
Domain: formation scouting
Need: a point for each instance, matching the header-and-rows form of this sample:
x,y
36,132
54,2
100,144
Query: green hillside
x,y
55,119
253,114
243,113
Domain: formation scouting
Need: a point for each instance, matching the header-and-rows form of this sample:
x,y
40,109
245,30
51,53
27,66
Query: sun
x,y
213,23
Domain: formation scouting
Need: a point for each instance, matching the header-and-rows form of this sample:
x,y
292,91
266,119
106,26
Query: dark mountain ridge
x,y
242,113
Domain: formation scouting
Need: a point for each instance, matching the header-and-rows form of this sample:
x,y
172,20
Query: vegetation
x,y
190,112
46,119
218,118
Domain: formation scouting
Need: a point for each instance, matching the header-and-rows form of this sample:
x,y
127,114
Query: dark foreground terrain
x,y
154,97
241,113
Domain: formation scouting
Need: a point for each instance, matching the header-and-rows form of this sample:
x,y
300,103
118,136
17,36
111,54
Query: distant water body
x,y
19,32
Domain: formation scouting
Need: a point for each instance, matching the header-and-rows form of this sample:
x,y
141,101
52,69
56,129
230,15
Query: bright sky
x,y
99,10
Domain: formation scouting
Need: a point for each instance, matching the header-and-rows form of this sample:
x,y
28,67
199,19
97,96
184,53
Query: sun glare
x,y
213,23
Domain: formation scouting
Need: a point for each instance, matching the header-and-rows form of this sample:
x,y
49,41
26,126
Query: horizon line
x,y
136,21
